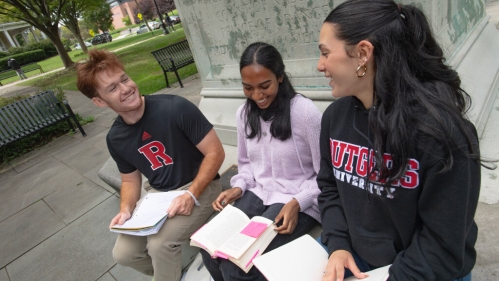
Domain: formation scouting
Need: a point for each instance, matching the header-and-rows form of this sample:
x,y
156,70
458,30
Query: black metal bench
x,y
173,57
26,68
32,66
31,115
6,74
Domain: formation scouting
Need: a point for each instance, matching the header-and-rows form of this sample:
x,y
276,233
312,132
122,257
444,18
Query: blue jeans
x,y
251,205
364,266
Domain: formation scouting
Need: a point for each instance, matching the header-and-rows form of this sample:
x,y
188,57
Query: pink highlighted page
x,y
254,229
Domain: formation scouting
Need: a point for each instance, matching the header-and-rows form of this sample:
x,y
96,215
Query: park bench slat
x,y
5,128
31,67
30,115
173,57
26,68
48,112
7,74
19,124
26,115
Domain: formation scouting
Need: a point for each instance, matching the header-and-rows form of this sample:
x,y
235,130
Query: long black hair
x,y
279,110
415,93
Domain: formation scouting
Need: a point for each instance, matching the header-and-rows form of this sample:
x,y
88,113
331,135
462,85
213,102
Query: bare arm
x,y
130,194
214,155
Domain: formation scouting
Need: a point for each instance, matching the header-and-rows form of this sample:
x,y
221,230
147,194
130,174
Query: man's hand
x,y
120,218
181,205
289,217
227,197
338,261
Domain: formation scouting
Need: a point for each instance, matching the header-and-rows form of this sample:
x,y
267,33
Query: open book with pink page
x,y
232,235
304,259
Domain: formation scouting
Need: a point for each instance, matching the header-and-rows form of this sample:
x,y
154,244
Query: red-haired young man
x,y
168,140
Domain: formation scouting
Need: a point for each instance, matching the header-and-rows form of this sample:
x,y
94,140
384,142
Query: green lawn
x,y
138,61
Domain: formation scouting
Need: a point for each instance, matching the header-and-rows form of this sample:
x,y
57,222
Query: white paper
x,y
143,231
303,259
150,212
379,274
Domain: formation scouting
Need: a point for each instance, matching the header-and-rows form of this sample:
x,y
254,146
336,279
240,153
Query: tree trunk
x,y
53,35
82,42
76,32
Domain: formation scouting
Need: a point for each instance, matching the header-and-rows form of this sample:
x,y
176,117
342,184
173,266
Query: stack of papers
x,y
304,259
149,215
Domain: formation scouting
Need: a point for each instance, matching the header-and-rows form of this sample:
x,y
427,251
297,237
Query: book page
x,y
151,210
227,223
245,262
301,259
238,243
379,274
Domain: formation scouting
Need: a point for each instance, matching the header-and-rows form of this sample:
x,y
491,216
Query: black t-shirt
x,y
162,144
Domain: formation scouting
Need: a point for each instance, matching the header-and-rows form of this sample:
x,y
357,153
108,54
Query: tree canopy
x,y
73,11
42,14
100,18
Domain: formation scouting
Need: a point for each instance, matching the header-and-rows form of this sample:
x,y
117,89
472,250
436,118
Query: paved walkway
x,y
55,211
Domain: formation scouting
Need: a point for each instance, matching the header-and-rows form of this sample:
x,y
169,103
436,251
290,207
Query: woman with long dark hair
x,y
278,156
400,162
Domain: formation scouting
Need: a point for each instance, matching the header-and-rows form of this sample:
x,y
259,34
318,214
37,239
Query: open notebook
x,y
149,215
303,259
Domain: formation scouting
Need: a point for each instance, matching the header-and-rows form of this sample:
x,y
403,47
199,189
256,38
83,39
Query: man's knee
x,y
123,255
162,251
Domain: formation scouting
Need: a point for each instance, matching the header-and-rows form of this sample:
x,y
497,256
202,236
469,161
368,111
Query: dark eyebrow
x,y
258,84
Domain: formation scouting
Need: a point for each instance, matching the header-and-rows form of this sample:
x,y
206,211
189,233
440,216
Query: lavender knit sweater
x,y
277,171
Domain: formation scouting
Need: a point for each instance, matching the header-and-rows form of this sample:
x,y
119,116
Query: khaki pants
x,y
159,255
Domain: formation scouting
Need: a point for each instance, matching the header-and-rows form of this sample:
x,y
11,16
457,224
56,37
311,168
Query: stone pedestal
x,y
219,30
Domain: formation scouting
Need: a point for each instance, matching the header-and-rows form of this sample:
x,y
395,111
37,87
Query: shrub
x,y
67,44
127,21
23,58
46,45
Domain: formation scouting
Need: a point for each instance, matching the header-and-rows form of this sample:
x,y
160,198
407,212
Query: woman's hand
x,y
338,261
289,217
227,197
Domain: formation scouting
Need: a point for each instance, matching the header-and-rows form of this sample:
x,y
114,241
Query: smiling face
x,y
336,63
260,84
339,63
117,91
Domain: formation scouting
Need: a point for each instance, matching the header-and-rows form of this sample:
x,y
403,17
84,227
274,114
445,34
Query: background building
x,y
121,9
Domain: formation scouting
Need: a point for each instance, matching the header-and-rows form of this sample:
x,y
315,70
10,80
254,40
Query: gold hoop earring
x,y
357,71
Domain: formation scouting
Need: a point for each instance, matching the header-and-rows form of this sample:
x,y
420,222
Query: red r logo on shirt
x,y
154,152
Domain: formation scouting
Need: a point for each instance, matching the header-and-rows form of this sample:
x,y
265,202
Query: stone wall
x,y
219,30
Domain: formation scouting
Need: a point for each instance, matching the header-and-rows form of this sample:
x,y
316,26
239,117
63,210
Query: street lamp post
x,y
165,31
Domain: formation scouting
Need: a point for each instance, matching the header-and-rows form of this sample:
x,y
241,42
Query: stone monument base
x,y
475,61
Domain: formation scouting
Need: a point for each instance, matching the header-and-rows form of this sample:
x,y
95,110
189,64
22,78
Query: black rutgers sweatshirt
x,y
423,224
